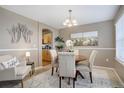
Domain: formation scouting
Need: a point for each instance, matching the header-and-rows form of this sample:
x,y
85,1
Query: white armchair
x,y
17,72
67,66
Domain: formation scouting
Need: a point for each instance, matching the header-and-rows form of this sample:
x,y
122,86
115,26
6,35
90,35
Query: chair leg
x,y
91,77
22,85
62,78
76,75
59,82
73,82
30,73
56,69
52,71
69,81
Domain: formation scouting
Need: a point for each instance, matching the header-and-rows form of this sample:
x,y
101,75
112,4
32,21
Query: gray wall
x,y
106,39
106,35
7,19
119,67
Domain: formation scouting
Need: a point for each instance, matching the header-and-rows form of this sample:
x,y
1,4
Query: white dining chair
x,y
54,60
89,67
67,66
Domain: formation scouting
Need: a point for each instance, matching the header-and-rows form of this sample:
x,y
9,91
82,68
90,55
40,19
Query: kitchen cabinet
x,y
46,55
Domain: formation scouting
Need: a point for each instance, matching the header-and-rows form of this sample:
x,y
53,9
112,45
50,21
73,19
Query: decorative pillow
x,y
4,58
15,61
11,63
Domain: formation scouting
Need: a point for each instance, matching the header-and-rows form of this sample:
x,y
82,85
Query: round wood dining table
x,y
79,58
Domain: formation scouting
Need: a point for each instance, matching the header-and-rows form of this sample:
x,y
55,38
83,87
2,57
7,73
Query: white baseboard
x,y
120,80
21,49
103,67
41,67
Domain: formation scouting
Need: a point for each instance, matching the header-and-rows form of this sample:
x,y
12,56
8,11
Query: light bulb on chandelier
x,y
69,22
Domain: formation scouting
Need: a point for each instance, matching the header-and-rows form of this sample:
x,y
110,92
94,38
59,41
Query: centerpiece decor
x,y
59,43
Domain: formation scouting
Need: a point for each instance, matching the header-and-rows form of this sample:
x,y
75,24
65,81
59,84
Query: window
x,y
120,39
85,38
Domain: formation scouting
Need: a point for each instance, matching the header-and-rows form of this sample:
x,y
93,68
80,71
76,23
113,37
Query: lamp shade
x,y
27,54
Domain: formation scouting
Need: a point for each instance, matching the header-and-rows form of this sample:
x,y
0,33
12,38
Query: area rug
x,y
101,79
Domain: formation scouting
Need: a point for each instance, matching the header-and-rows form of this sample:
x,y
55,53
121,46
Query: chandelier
x,y
69,21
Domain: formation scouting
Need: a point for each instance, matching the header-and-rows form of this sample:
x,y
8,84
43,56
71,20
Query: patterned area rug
x,y
101,79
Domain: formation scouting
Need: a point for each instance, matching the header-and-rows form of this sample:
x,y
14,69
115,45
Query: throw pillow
x,y
11,63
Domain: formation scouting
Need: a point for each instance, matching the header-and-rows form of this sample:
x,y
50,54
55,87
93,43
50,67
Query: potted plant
x,y
59,43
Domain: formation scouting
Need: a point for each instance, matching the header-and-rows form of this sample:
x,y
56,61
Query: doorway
x,y
47,38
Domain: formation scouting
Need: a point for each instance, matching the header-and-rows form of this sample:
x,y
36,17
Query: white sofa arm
x,y
22,63
7,74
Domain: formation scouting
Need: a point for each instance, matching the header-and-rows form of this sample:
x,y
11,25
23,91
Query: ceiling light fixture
x,y
69,21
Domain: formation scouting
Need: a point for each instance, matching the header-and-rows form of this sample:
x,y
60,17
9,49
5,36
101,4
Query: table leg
x,y
33,69
79,73
69,81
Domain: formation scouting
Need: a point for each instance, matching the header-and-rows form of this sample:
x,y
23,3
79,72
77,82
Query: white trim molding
x,y
102,67
25,49
94,48
33,49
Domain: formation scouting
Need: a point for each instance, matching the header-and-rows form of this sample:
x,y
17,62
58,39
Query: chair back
x,y
67,64
92,58
53,54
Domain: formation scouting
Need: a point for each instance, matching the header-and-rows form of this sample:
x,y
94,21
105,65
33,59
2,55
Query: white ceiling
x,y
54,15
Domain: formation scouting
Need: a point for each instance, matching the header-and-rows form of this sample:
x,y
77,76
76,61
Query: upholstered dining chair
x,y
89,67
54,60
67,67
